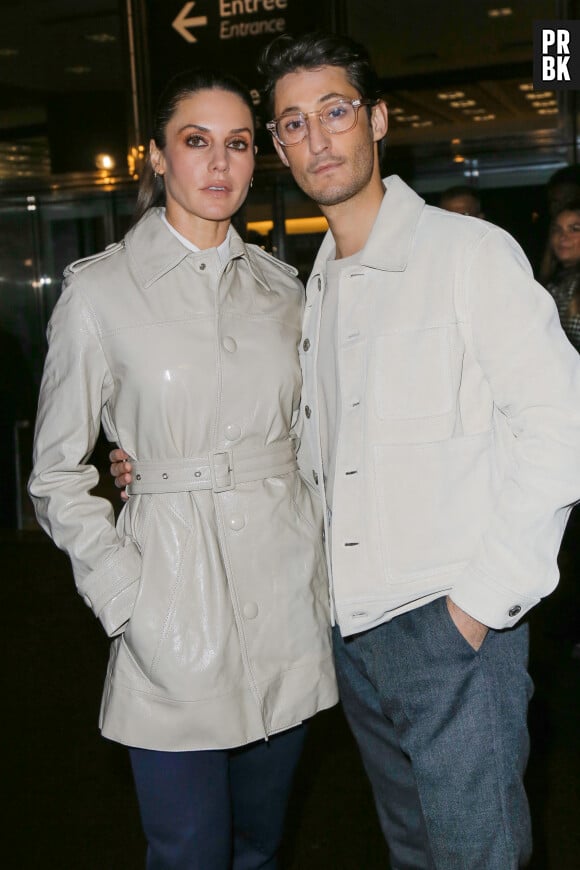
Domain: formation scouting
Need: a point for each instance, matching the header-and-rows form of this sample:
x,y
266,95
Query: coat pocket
x,y
412,374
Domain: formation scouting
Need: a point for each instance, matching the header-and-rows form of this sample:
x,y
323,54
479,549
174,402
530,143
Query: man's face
x,y
330,167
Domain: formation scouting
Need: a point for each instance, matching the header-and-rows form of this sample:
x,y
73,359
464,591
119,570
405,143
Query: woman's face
x,y
565,237
208,159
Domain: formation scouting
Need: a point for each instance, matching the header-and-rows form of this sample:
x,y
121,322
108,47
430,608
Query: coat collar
x,y
154,251
389,244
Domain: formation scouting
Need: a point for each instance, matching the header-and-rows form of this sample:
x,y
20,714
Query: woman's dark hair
x,y
287,54
185,84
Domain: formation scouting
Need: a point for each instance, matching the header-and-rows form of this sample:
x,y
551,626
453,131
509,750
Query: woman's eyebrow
x,y
208,129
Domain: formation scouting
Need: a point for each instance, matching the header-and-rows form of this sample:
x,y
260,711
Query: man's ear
x,y
280,151
379,120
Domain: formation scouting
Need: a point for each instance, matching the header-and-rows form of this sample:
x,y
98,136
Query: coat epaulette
x,y
79,265
291,270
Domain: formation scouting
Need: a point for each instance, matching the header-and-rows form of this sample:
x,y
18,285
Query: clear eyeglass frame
x,y
322,116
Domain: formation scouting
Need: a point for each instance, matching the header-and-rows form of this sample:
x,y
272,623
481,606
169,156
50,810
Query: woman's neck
x,y
199,231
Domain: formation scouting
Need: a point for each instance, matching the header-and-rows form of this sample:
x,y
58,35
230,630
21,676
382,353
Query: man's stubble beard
x,y
362,163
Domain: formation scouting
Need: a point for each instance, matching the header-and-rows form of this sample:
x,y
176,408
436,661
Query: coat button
x,y
306,344
236,522
250,609
233,432
513,611
229,344
307,411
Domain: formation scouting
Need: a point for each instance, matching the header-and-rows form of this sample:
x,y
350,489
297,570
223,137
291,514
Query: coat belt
x,y
220,471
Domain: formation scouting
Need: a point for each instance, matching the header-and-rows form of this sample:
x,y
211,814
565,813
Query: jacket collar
x,y
389,244
154,251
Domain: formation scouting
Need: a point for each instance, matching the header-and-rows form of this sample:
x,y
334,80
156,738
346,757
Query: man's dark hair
x,y
287,54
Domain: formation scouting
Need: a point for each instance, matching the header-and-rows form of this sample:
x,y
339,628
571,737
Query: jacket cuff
x,y
485,600
111,589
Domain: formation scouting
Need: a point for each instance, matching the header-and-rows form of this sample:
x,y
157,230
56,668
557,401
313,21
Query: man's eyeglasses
x,y
337,117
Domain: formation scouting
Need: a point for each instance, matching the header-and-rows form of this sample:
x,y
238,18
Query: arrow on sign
x,y
182,22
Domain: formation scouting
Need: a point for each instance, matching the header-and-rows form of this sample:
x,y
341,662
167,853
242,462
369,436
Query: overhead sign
x,y
227,34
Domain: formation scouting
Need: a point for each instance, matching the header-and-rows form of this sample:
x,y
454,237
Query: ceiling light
x,y
397,111
422,124
500,12
459,158
456,141
489,117
475,111
104,161
526,86
462,104
543,95
450,95
547,111
78,70
544,104
408,118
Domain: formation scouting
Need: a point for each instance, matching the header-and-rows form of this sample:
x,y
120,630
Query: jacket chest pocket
x,y
412,374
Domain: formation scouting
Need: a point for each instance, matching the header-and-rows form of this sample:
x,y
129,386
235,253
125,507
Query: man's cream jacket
x,y
458,454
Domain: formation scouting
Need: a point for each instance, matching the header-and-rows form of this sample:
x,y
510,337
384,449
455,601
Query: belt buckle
x,y
226,487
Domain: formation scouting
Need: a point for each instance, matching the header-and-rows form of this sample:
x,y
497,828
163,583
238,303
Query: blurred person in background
x,y
562,272
461,199
561,277
562,188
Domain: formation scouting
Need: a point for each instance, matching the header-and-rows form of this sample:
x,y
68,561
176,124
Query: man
x,y
461,199
441,407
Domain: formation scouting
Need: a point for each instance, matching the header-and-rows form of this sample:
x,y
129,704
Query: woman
x,y
562,277
562,280
182,341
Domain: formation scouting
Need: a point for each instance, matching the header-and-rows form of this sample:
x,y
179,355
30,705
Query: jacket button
x,y
307,411
233,432
229,344
315,476
306,344
236,522
250,610
513,611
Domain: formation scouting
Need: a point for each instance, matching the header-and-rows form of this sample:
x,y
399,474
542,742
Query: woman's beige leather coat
x,y
213,582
